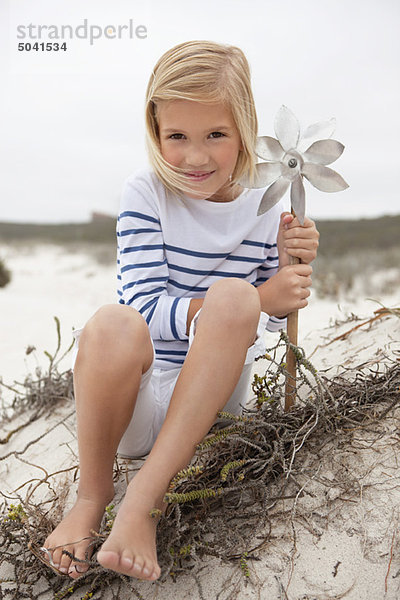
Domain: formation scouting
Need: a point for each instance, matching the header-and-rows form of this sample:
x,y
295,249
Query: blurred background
x,y
72,121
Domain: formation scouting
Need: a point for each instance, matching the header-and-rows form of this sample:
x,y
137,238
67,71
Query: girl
x,y
201,277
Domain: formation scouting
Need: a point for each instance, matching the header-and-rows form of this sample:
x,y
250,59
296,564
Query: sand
x,y
346,548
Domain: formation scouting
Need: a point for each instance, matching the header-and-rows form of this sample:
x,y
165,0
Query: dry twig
x,y
219,503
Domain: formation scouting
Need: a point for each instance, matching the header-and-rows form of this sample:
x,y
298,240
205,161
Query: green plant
x,y
5,274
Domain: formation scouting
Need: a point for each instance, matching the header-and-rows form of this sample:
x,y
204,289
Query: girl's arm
x,y
142,265
286,291
297,241
283,293
286,288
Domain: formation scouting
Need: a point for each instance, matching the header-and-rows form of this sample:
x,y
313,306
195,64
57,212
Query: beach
x,y
343,543
55,280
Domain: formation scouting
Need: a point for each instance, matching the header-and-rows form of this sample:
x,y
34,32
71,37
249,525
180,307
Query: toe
x,y
150,570
48,557
65,563
156,573
126,561
147,571
108,559
137,569
78,568
56,556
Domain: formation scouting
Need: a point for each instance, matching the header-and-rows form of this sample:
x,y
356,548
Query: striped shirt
x,y
171,250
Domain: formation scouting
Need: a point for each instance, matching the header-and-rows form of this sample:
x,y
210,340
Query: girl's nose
x,y
196,156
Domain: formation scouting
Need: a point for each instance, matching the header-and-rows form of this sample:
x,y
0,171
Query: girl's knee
x,y
116,324
234,300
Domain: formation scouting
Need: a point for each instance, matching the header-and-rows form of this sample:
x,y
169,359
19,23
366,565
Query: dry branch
x,y
222,503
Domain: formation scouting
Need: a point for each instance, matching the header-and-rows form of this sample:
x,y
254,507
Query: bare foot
x,y
86,514
131,546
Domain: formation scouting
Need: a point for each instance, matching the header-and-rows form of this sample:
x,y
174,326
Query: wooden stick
x,y
292,332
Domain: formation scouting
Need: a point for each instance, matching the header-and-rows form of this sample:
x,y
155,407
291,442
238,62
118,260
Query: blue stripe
x,y
140,248
140,281
149,316
119,292
261,280
141,294
141,265
146,306
276,320
172,318
250,259
173,267
191,288
266,268
193,253
259,244
131,213
218,255
134,231
172,352
177,362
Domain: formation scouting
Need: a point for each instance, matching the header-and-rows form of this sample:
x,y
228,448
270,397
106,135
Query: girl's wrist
x,y
265,292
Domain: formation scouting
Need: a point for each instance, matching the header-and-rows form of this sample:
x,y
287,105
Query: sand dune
x,y
331,544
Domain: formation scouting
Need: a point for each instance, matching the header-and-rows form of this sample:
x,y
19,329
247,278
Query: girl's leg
x,y
226,328
114,350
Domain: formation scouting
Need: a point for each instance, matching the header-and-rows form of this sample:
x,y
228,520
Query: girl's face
x,y
203,140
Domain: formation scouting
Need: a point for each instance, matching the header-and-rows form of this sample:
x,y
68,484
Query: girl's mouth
x,y
199,175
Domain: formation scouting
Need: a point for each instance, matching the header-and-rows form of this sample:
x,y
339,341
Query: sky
x,y
71,121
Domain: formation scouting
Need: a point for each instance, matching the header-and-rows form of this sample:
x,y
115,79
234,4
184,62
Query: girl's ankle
x,y
100,497
146,492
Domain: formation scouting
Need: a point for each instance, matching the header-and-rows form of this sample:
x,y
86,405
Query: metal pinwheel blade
x,y
290,157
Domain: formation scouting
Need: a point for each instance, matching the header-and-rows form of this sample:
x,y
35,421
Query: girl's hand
x,y
295,240
286,291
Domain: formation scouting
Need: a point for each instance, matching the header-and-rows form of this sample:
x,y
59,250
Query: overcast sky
x,y
71,122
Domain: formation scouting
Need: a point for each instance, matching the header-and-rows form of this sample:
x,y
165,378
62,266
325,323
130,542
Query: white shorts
x,y
156,388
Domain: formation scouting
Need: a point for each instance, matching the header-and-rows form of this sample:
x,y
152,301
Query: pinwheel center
x,y
291,164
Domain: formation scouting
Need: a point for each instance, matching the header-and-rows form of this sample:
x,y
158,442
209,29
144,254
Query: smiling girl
x,y
201,277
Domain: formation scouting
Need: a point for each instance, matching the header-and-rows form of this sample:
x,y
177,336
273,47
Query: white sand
x,y
342,550
50,281
47,281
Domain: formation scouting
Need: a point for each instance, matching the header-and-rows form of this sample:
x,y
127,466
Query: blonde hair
x,y
208,72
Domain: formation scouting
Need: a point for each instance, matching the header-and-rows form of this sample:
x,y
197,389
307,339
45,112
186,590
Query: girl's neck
x,y
226,194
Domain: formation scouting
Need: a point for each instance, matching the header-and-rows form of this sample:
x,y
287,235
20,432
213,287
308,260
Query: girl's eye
x,y
180,136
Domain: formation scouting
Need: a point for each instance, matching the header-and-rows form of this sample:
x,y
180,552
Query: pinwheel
x,y
289,158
